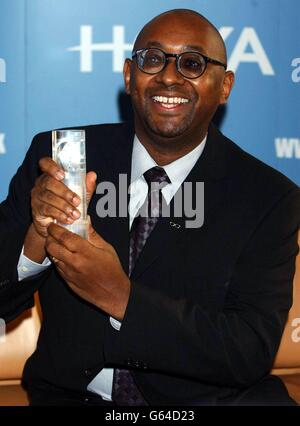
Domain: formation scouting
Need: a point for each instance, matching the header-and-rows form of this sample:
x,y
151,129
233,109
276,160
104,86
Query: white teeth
x,y
165,100
167,105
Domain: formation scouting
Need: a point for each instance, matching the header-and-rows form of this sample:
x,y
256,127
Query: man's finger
x,y
51,187
69,240
58,252
49,198
47,165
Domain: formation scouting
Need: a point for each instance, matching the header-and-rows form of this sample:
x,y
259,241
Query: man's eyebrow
x,y
186,48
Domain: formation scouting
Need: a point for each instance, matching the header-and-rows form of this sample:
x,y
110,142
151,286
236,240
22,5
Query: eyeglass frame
x,y
177,56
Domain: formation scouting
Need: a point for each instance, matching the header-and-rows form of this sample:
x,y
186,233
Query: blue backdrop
x,y
61,63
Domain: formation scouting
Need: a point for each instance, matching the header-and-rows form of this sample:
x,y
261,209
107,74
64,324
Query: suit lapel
x,y
115,161
211,168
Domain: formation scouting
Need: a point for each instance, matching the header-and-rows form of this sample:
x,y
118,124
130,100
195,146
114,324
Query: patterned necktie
x,y
125,391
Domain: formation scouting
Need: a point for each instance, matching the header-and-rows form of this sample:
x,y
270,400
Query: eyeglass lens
x,y
190,64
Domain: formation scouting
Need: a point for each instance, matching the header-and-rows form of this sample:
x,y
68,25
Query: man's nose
x,y
170,74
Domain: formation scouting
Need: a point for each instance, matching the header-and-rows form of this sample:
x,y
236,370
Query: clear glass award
x,y
68,151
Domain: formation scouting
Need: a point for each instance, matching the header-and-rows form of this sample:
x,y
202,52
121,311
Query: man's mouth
x,y
170,102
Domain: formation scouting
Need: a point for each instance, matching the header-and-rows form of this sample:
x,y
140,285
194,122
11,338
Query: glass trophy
x,y
68,151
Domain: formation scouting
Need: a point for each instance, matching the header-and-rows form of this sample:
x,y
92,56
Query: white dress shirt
x,y
177,172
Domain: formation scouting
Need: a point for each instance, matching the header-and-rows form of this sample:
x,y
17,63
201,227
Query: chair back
x,y
17,344
287,360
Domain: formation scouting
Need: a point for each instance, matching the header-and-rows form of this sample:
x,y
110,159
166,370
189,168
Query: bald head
x,y
205,33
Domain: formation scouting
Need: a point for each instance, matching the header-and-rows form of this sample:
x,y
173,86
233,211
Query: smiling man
x,y
173,97
147,311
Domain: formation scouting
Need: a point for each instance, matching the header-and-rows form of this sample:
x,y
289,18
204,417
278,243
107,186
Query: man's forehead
x,y
180,31
183,46
177,41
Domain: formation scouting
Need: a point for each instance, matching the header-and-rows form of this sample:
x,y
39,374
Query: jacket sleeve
x,y
235,346
15,218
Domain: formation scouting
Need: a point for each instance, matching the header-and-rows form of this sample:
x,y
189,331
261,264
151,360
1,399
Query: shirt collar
x,y
177,171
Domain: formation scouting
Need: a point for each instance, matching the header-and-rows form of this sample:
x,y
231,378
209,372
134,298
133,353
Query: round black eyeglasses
x,y
189,64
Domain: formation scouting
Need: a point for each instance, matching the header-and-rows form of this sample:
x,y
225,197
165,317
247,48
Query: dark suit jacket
x,y
207,306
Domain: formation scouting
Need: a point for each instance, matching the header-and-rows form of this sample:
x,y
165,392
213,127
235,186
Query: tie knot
x,y
156,174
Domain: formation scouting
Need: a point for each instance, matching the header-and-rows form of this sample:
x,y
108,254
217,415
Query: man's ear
x,y
228,83
127,75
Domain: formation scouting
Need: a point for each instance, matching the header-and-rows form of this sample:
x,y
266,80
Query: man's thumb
x,y
91,179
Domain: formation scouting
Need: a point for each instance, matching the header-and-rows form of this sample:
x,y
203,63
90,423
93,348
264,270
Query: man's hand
x,y
52,199
92,269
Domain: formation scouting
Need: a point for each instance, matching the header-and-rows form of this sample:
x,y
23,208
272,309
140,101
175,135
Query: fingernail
x,y
76,201
76,214
60,175
69,220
